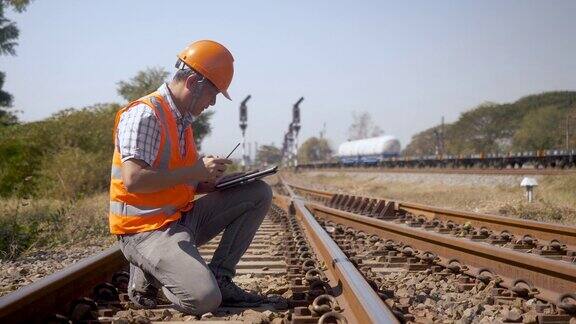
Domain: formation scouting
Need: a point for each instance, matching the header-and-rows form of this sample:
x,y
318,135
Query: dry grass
x,y
41,223
555,196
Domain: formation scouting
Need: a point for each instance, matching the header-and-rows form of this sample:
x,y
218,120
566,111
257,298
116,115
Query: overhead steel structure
x,y
290,143
243,126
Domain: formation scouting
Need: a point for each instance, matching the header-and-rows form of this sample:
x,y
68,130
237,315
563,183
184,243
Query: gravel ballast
x,y
35,265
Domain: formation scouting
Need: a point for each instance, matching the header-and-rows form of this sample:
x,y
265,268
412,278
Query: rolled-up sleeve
x,y
139,134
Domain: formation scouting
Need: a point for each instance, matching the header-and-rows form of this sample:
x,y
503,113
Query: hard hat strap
x,y
197,92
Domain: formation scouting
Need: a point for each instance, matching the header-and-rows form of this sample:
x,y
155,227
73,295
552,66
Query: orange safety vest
x,y
140,212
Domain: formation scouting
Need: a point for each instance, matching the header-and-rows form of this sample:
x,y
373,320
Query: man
x,y
156,172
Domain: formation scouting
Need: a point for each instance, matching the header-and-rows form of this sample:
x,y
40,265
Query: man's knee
x,y
208,300
202,300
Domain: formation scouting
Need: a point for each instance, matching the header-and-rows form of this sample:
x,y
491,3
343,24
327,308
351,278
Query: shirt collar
x,y
187,119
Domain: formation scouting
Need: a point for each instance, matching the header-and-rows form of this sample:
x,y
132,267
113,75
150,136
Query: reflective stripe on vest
x,y
116,173
121,208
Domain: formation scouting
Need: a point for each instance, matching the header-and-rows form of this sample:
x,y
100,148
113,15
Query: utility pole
x,y
442,147
248,160
572,117
296,127
290,143
287,145
243,125
567,131
437,140
255,150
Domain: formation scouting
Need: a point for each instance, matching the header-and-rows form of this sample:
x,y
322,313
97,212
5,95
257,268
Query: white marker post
x,y
529,184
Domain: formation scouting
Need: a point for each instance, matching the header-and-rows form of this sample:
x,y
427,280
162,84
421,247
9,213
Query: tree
x,y
268,154
483,129
18,5
5,97
6,116
148,81
314,149
363,127
201,128
142,84
426,142
529,123
8,35
540,130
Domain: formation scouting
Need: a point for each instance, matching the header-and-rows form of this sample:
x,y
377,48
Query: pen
x,y
233,150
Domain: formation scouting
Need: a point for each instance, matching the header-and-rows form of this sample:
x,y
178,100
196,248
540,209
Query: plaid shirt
x,y
139,130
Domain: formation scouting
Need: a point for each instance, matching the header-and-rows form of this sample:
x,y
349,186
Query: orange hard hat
x,y
212,60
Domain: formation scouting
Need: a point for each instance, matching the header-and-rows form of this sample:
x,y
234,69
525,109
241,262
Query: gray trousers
x,y
169,257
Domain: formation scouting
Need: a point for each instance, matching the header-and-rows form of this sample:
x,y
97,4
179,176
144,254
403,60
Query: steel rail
x,y
365,305
519,227
552,279
52,294
519,172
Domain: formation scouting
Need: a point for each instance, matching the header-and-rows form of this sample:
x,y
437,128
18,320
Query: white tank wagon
x,y
369,150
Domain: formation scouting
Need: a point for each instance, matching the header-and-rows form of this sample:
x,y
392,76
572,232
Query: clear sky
x,y
407,63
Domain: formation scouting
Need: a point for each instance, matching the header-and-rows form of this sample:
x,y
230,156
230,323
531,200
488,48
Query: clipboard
x,y
246,178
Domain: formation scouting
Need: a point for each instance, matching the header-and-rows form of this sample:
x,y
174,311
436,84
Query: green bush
x,y
16,237
48,222
72,173
18,166
22,227
64,156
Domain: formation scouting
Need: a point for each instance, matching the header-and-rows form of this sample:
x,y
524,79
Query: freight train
x,y
368,151
384,151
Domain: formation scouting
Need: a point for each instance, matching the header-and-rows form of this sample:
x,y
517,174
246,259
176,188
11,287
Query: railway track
x,y
527,258
479,171
534,234
325,257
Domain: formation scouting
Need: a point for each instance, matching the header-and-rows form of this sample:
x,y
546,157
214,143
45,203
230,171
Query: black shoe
x,y
232,295
145,300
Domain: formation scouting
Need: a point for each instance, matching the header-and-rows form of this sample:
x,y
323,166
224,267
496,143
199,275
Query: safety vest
x,y
139,212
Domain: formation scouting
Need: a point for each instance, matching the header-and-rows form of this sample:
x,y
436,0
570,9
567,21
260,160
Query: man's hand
x,y
213,167
139,177
210,186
